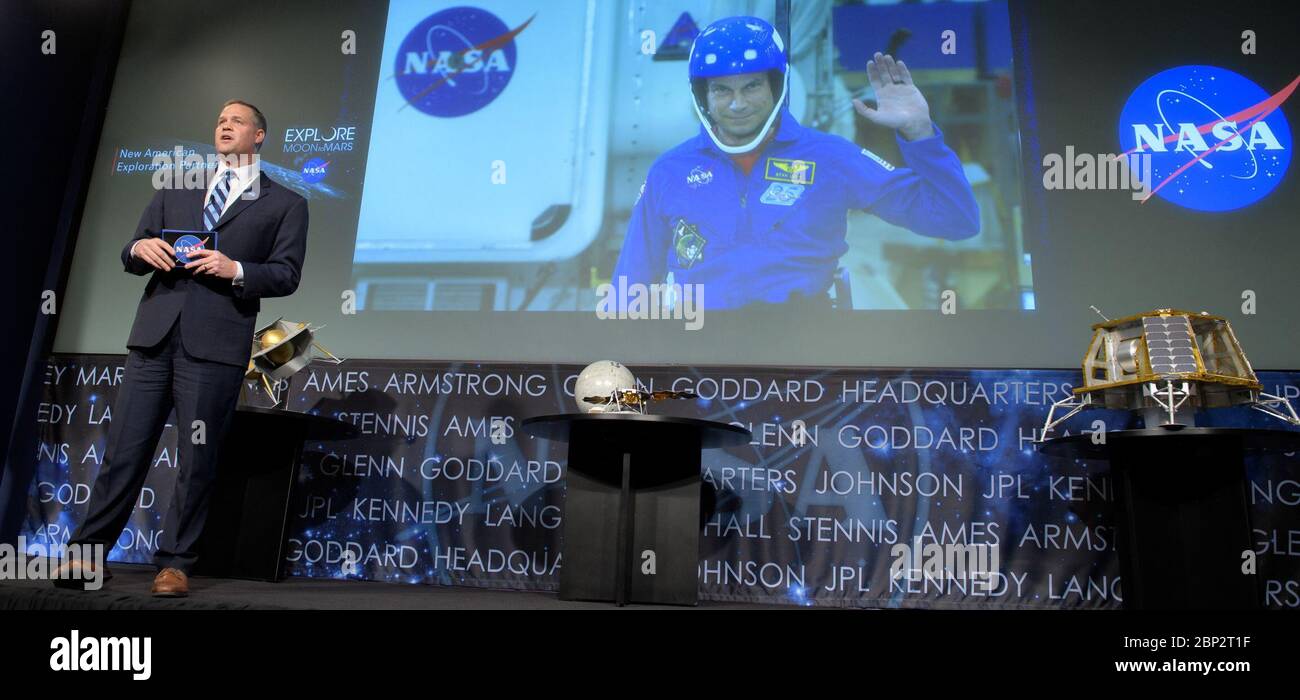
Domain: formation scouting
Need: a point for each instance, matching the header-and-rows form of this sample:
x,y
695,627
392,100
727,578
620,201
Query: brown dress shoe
x,y
171,583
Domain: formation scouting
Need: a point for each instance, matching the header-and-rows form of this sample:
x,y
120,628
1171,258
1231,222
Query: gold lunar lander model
x,y
1167,363
635,400
280,349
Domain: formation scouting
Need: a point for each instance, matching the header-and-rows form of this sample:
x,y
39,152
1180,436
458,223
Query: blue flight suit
x,y
780,230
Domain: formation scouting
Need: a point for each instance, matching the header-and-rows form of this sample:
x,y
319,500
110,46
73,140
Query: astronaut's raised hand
x,y
899,104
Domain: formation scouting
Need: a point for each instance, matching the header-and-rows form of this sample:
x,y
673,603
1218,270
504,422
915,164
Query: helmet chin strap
x,y
758,138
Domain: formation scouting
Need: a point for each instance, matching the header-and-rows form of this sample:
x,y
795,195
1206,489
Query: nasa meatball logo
x,y
456,62
185,245
699,176
315,170
1217,141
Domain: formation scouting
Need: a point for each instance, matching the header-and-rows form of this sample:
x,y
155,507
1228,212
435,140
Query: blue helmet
x,y
733,46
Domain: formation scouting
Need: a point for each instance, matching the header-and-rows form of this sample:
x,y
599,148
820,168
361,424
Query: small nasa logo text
x,y
699,176
315,170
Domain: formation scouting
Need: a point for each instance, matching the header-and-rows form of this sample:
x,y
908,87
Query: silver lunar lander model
x,y
1167,363
280,349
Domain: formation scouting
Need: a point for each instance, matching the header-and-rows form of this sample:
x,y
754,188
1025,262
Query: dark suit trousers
x,y
157,380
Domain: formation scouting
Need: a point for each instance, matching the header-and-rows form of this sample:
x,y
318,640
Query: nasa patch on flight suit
x,y
782,194
792,170
688,244
699,176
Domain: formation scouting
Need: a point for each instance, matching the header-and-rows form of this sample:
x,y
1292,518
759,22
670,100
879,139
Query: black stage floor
x,y
129,590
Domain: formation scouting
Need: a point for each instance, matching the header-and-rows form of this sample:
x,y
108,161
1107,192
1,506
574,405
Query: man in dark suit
x,y
192,338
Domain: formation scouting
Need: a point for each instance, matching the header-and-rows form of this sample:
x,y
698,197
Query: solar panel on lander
x,y
1167,363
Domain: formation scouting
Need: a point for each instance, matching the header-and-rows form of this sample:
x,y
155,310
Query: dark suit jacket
x,y
267,235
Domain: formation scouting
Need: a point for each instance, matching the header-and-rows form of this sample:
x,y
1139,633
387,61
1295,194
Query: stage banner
x,y
860,488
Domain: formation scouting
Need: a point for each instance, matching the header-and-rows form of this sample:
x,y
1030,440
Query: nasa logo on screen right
x,y
1217,141
456,61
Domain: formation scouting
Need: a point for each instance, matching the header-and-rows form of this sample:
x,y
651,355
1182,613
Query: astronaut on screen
x,y
754,208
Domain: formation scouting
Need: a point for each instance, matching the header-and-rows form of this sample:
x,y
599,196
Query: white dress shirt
x,y
239,183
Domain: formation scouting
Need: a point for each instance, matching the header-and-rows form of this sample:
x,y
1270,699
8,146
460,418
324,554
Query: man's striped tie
x,y
217,202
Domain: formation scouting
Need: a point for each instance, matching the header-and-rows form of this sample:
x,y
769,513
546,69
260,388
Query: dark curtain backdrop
x,y
54,108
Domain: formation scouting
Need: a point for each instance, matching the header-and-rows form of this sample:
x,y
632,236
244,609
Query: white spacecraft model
x,y
1167,364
